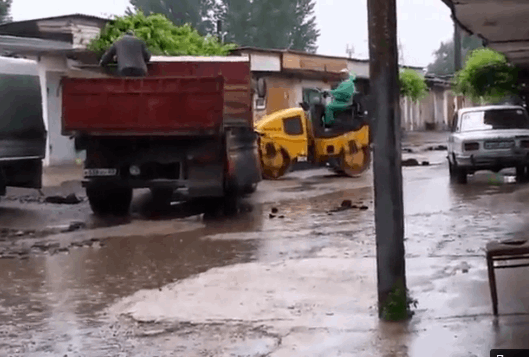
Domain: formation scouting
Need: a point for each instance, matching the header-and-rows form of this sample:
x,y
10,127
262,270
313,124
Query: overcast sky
x,y
422,24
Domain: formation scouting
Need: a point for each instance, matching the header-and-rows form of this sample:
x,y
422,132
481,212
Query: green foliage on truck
x,y
162,37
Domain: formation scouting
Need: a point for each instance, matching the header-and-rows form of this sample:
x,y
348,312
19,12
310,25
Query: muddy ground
x,y
294,274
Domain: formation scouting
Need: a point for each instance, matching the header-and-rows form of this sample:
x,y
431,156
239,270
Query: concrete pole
x,y
457,47
389,211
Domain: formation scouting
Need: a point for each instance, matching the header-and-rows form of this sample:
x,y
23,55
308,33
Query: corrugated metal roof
x,y
274,50
280,51
82,16
31,45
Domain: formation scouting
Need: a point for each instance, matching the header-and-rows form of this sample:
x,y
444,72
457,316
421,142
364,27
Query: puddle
x,y
55,304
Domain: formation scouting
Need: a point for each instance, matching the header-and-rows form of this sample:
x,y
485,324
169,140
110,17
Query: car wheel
x,y
457,174
461,176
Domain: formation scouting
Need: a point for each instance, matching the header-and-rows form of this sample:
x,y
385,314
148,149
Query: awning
x,y
503,24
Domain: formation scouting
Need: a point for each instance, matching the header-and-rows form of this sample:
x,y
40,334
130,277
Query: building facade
x,y
56,44
436,110
281,77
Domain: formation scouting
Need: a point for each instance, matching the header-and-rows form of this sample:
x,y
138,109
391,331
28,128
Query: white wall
x,y
62,149
265,62
59,149
361,69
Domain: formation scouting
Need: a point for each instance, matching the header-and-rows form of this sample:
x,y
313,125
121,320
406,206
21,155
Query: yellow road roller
x,y
299,134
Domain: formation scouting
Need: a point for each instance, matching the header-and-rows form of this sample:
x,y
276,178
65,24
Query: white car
x,y
488,138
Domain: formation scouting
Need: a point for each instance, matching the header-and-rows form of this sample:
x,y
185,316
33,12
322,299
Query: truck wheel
x,y
250,188
230,204
162,197
106,200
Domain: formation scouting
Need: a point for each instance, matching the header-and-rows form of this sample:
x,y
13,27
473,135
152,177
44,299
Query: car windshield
x,y
495,119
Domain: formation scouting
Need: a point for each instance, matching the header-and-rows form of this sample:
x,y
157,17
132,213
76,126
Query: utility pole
x,y
389,207
350,50
220,34
457,46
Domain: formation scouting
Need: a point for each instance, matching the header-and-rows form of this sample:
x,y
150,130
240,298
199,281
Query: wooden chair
x,y
507,250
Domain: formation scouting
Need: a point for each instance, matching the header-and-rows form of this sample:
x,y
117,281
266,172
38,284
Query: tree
x,y
5,11
444,63
412,85
285,24
197,13
487,76
161,35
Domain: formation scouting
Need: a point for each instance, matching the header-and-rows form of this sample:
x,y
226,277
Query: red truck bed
x,y
179,97
154,106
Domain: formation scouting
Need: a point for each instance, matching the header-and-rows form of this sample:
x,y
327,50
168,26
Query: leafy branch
x,y
161,36
487,76
412,85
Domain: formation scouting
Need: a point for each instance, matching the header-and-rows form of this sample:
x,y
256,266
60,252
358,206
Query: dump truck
x,y
185,131
299,135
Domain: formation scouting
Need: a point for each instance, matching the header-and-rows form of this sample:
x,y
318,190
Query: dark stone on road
x,y
438,148
425,163
274,210
71,199
347,205
408,150
74,226
410,162
271,216
45,246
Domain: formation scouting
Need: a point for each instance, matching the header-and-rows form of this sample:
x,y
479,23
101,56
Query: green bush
x,y
162,37
412,85
487,76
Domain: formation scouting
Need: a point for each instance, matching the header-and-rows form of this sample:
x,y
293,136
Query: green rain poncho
x,y
342,99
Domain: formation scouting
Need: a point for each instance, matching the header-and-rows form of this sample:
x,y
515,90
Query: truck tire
x,y
162,197
105,200
249,189
230,204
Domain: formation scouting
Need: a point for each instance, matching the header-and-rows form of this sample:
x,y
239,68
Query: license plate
x,y
100,172
499,144
302,159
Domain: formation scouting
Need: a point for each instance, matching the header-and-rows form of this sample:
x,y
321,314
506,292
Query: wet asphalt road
x,y
299,282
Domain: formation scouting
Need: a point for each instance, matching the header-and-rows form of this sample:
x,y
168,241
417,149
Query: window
x,y
260,94
311,95
293,125
495,119
260,103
